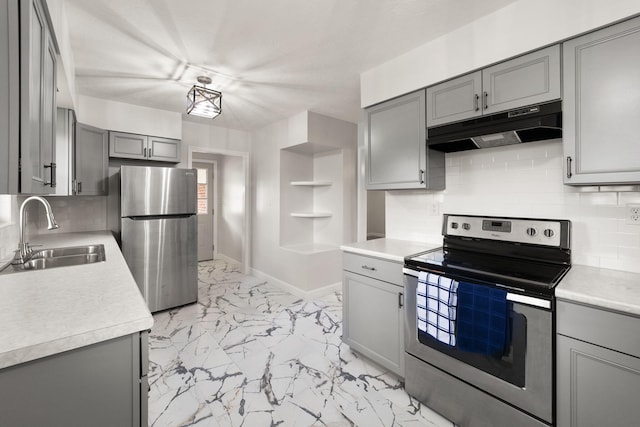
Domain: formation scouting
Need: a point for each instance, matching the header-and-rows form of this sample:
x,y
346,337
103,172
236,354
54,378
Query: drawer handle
x,y
366,267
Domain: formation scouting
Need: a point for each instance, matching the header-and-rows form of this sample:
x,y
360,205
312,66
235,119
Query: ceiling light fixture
x,y
204,102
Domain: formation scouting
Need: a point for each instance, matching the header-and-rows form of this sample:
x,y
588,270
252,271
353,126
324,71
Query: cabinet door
x,y
33,42
372,320
9,97
127,145
395,137
596,386
48,122
454,100
528,79
163,149
90,161
601,131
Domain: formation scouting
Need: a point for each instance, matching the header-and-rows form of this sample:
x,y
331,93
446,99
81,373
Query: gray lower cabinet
x,y
133,146
372,322
598,367
397,155
528,79
38,87
91,161
601,106
104,384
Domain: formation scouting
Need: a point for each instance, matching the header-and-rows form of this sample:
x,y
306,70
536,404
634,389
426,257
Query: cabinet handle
x,y
486,100
569,161
52,181
421,176
476,103
366,267
400,300
79,187
144,153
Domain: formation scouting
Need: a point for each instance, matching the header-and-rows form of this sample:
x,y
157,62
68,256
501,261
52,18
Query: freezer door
x,y
162,256
147,190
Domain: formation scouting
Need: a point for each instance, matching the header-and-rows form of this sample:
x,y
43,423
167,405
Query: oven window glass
x,y
510,367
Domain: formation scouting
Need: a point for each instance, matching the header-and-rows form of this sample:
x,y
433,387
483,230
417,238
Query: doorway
x,y
207,202
231,200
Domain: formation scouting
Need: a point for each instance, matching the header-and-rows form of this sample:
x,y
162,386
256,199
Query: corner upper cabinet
x,y
395,137
601,106
133,146
529,79
90,166
38,61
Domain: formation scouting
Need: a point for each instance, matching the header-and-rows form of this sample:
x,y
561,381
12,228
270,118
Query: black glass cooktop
x,y
537,276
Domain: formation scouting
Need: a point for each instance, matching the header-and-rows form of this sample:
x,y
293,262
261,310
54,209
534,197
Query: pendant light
x,y
204,102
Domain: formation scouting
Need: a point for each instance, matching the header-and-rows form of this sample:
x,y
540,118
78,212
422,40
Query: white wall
x,y
523,181
119,116
515,29
232,209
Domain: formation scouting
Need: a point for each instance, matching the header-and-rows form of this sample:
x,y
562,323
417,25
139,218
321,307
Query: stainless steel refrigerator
x,y
159,233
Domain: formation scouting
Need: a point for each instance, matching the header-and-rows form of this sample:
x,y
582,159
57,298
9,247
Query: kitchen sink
x,y
58,257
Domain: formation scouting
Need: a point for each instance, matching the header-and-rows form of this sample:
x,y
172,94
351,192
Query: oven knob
x,y
466,226
532,231
549,232
454,225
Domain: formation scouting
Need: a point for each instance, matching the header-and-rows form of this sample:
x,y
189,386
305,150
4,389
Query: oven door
x,y
523,377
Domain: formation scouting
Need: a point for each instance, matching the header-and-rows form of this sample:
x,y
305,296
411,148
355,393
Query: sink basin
x,y
58,257
70,251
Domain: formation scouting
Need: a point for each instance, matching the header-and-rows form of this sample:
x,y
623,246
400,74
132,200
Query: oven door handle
x,y
523,299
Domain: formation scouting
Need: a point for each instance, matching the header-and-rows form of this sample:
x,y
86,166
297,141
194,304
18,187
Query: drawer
x,y
602,327
375,268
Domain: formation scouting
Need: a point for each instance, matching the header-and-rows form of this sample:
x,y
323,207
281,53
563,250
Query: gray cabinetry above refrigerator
x,y
397,156
143,147
601,106
529,79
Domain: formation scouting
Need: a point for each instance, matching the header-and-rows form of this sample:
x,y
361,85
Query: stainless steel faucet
x,y
24,250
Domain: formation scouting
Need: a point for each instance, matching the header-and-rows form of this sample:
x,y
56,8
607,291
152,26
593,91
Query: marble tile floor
x,y
250,354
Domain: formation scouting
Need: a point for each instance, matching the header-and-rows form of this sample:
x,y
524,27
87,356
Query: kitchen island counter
x,y
603,288
45,312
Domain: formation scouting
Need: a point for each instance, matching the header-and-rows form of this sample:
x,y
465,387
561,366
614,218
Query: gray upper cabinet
x,y
38,59
395,137
529,79
454,100
133,146
601,106
9,96
91,161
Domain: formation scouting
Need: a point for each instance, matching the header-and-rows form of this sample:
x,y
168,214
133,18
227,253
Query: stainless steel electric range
x,y
480,322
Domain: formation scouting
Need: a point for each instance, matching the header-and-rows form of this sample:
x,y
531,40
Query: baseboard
x,y
307,295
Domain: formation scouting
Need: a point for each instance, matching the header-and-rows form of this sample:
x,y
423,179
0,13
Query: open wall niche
x,y
317,184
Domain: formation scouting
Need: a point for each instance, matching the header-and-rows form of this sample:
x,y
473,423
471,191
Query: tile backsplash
x,y
86,213
522,181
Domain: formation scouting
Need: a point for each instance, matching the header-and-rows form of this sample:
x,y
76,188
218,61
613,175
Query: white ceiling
x,y
270,59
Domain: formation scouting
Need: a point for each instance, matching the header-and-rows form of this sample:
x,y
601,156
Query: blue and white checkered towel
x,y
437,299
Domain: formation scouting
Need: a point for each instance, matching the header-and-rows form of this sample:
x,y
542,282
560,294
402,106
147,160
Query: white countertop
x,y
45,312
390,249
601,287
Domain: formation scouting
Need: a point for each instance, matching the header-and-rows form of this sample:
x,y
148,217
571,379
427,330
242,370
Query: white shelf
x,y
311,214
311,183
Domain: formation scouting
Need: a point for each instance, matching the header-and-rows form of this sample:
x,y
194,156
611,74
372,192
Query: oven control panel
x,y
517,230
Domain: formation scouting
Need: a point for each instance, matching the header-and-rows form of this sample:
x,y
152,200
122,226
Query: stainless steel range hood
x,y
533,123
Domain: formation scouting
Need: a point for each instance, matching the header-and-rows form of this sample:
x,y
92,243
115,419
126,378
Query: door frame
x,y
214,201
246,166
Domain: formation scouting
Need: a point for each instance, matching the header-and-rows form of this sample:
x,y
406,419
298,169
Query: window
x,y
203,192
